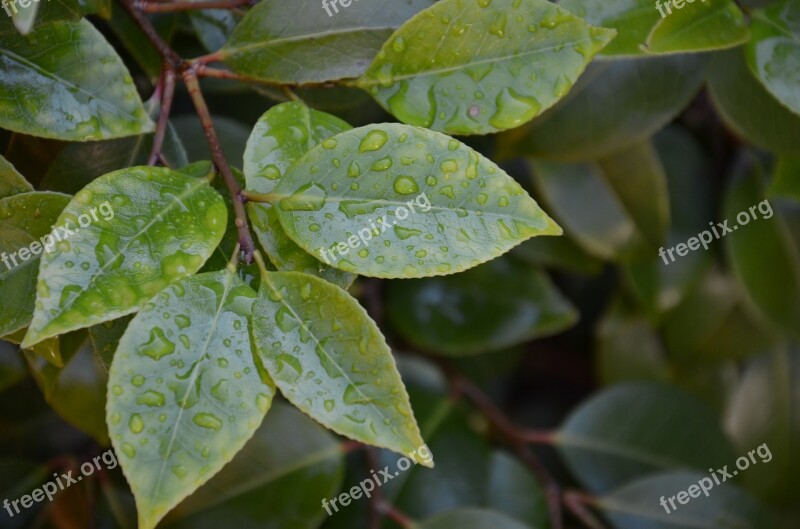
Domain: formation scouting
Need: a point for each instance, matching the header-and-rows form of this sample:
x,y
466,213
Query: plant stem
x,y
576,503
218,157
167,85
262,198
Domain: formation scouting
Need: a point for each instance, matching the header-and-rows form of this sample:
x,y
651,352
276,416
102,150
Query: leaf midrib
x,y
623,451
365,81
228,51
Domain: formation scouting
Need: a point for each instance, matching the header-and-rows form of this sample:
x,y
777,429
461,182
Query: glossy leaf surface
x,y
65,81
473,312
469,67
329,359
185,392
291,42
400,201
154,226
281,137
627,432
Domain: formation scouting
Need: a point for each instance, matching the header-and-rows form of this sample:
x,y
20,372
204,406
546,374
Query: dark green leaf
x,y
65,81
11,182
473,312
471,519
291,42
614,105
628,431
481,66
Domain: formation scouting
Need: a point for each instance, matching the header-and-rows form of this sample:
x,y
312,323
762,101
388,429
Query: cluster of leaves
x,y
144,331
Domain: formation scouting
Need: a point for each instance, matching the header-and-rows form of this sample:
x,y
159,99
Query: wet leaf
x,y
627,432
65,81
185,392
154,226
636,505
750,109
329,359
481,66
408,202
773,54
281,137
472,313
615,105
291,42
277,479
24,219
11,182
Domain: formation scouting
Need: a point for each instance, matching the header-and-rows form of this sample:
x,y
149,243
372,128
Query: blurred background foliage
x,y
630,378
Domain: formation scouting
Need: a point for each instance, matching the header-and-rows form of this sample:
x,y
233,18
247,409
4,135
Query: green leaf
x,y
79,163
763,253
232,135
643,29
700,26
409,202
711,325
12,367
786,182
514,491
330,360
765,409
627,432
481,66
636,505
557,252
275,482
748,108
616,207
24,220
18,478
291,43
65,81
76,391
40,13
154,226
49,349
11,182
281,137
614,106
135,42
185,390
213,26
471,519
105,338
774,51
473,313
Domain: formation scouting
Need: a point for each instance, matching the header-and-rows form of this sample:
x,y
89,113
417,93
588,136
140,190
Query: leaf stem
x,y
167,85
576,502
262,198
234,260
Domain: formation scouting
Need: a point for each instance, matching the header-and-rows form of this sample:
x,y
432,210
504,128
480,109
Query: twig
x,y
170,7
218,157
575,501
167,87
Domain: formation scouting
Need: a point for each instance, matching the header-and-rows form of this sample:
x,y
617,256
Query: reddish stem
x,y
576,503
167,86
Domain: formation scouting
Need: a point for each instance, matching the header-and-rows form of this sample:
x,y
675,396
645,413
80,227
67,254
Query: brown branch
x,y
171,7
218,157
576,503
167,53
167,87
